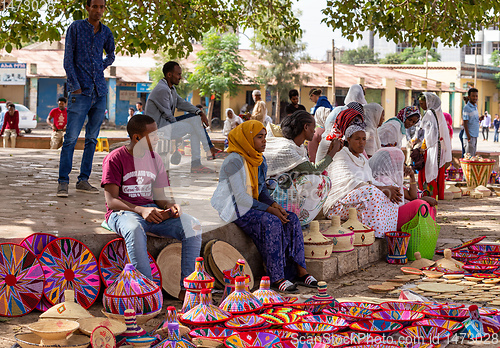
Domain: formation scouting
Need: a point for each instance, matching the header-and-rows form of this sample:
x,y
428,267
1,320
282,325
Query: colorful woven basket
x,y
477,173
132,290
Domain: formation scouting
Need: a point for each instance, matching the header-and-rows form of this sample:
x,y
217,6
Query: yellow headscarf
x,y
241,141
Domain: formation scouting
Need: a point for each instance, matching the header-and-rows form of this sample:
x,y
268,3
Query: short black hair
x,y
169,67
472,90
89,2
293,93
140,103
131,108
293,125
64,100
9,103
138,123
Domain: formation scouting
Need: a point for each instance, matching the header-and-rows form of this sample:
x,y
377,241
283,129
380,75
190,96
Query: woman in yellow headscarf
x,y
242,197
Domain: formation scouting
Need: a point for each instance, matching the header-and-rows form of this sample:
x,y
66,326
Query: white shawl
x,y
390,133
431,136
355,94
282,155
321,115
347,172
373,113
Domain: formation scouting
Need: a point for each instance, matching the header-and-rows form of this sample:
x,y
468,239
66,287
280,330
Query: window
x,y
495,46
402,46
472,48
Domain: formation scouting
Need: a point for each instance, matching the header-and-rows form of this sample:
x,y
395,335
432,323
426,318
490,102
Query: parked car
x,y
27,118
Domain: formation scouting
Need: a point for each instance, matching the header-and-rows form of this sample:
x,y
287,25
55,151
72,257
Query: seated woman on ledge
x,y
353,186
388,167
301,188
242,197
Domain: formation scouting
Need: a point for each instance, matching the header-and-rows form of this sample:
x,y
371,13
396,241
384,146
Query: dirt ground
x,y
461,219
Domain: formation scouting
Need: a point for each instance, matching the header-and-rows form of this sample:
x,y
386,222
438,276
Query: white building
x,y
486,41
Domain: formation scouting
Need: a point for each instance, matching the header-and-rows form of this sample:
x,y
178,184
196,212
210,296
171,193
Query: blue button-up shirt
x,y
471,114
83,60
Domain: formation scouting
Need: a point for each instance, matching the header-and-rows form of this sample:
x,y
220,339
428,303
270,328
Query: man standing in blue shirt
x,y
470,117
85,42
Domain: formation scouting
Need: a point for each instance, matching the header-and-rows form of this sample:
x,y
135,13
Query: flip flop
x,y
202,170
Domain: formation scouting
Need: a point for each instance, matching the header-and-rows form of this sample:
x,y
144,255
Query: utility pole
x,y
426,63
332,95
475,64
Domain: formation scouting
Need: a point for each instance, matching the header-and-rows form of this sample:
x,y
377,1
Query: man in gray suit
x,y
161,106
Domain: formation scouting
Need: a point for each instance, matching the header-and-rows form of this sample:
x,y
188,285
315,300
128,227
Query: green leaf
x,y
8,47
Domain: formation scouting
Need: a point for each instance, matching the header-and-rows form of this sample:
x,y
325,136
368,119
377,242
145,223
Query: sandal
x,y
219,154
202,170
307,280
284,286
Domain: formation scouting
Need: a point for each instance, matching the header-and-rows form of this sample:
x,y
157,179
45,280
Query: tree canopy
x,y
361,55
418,22
411,56
139,25
281,74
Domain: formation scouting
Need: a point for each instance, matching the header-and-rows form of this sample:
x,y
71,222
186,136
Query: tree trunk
x,y
210,111
278,103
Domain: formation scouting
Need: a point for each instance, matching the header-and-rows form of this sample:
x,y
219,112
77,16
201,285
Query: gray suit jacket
x,y
162,103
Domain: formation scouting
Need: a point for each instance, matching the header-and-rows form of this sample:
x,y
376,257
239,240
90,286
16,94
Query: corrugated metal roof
x,y
135,69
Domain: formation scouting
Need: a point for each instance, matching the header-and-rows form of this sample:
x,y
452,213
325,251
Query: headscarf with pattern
x,y
344,120
241,141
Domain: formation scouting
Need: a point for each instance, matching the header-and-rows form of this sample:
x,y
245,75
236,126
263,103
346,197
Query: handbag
x,y
284,192
424,233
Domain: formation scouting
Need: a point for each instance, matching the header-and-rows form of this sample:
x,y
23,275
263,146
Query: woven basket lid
x,y
209,262
225,256
354,224
131,282
68,309
169,262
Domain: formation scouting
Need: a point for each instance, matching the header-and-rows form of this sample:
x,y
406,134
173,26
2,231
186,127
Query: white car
x,y
27,118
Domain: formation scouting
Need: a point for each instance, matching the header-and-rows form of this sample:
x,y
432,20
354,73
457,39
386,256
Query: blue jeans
x,y
495,138
79,107
183,117
460,136
133,228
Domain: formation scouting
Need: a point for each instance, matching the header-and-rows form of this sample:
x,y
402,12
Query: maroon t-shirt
x,y
135,176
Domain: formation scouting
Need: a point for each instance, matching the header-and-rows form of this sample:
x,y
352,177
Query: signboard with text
x,y
12,73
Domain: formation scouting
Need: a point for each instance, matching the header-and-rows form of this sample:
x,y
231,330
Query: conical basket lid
x,y
353,223
131,282
68,309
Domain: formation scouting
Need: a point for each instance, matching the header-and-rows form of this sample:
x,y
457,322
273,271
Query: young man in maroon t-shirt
x,y
57,120
134,179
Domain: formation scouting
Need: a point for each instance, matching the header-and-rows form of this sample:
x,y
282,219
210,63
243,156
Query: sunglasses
x,y
11,106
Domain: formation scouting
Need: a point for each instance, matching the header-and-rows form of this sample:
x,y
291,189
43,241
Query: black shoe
x,y
84,186
62,189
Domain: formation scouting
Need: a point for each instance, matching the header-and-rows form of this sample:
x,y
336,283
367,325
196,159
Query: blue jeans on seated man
x,y
79,107
188,124
133,228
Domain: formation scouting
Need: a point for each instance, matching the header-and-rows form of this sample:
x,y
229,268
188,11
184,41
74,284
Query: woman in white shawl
x,y
298,184
437,145
232,120
392,132
353,186
356,94
374,117
387,165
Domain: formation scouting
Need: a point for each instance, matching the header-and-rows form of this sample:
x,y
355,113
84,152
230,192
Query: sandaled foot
x,y
307,280
216,153
284,286
201,170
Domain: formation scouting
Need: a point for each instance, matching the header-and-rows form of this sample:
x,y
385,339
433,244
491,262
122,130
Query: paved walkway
x,y
28,178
